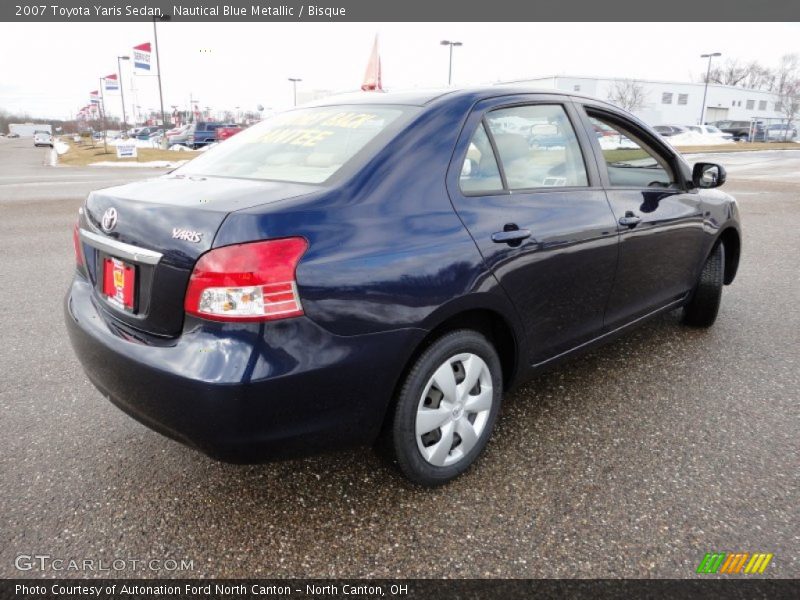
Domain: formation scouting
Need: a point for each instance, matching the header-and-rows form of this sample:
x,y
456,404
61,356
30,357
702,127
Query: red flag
x,y
372,76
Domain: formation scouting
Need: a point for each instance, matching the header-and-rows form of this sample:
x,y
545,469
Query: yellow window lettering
x,y
280,136
311,137
348,120
295,137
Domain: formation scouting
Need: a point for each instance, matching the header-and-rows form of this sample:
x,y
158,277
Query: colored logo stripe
x,y
734,563
711,562
722,562
758,563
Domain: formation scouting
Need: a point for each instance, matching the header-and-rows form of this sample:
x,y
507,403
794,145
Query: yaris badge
x,y
109,220
186,235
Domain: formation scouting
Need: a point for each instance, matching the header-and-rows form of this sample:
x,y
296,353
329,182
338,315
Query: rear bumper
x,y
242,392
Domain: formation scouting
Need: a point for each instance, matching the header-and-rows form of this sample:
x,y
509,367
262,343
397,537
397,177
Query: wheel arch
x,y
493,322
732,242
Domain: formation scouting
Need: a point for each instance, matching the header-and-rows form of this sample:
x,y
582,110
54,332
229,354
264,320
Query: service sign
x,y
126,150
141,57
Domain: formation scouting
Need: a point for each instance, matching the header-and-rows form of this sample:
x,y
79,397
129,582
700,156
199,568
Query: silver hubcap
x,y
454,409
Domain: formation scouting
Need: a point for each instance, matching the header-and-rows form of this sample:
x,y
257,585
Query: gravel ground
x,y
631,461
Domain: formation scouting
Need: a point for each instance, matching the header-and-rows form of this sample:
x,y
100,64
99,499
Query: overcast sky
x,y
48,69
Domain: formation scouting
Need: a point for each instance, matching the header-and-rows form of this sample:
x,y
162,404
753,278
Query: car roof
x,y
423,97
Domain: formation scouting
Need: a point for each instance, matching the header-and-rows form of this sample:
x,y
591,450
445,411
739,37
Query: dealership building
x,y
672,102
28,129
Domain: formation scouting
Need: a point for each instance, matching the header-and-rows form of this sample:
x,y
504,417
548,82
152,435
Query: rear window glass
x,y
304,146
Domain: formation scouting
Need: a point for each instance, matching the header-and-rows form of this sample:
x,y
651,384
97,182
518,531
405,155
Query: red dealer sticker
x,y
118,282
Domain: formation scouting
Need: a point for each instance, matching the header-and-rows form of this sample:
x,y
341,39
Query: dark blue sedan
x,y
385,266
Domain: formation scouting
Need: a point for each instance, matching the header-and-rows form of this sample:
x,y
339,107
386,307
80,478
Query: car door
x,y
659,218
539,216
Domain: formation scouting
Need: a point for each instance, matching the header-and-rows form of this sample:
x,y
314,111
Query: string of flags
x,y
142,54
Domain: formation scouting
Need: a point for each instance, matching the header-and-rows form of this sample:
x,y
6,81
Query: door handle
x,y
511,237
630,220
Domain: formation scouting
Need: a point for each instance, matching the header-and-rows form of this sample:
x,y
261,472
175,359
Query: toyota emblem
x,y
109,219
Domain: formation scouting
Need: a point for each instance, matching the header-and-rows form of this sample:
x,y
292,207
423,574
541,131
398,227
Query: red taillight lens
x,y
247,282
76,242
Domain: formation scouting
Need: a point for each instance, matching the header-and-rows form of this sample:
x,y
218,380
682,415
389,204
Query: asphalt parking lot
x,y
634,460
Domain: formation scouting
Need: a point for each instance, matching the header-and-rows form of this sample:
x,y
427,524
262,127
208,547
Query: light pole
x,y
294,81
705,90
122,92
158,66
450,68
103,113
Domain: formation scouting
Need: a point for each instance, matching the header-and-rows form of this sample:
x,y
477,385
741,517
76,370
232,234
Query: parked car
x,y
42,138
710,130
13,135
311,283
781,132
669,130
179,135
202,133
175,130
741,130
227,131
146,133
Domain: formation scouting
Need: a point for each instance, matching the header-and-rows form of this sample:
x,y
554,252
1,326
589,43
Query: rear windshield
x,y
307,145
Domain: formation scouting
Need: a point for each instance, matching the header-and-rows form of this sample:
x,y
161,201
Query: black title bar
x,y
409,589
400,10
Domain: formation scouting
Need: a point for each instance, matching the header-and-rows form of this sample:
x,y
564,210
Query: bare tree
x,y
758,77
627,94
787,88
752,75
730,72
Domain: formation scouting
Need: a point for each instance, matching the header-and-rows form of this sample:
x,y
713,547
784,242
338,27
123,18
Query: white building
x,y
28,129
672,102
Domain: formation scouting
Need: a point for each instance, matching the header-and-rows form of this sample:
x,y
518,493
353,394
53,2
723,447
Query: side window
x,y
479,173
630,163
537,147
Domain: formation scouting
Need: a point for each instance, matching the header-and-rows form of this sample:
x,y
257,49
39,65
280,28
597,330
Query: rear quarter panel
x,y
386,249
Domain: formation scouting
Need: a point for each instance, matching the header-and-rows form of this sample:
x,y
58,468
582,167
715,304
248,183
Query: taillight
x,y
247,282
76,242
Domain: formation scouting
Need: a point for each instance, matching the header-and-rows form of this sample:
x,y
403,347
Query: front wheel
x,y
446,408
702,309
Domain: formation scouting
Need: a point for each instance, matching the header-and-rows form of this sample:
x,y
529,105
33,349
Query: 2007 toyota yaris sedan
x,y
385,266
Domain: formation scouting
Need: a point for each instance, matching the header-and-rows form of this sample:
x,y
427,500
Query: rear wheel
x,y
446,408
702,309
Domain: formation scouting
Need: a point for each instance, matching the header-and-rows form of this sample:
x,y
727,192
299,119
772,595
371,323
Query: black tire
x,y
402,435
702,309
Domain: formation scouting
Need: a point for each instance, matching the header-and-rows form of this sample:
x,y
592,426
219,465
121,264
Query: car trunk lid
x,y
159,228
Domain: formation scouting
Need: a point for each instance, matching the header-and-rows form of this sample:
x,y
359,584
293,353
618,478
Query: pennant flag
x,y
372,76
141,56
112,85
94,97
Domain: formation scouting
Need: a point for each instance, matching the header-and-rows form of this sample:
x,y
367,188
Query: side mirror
x,y
708,175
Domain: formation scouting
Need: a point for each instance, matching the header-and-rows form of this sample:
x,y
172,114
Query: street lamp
x,y
705,90
158,66
122,92
294,81
103,112
450,69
